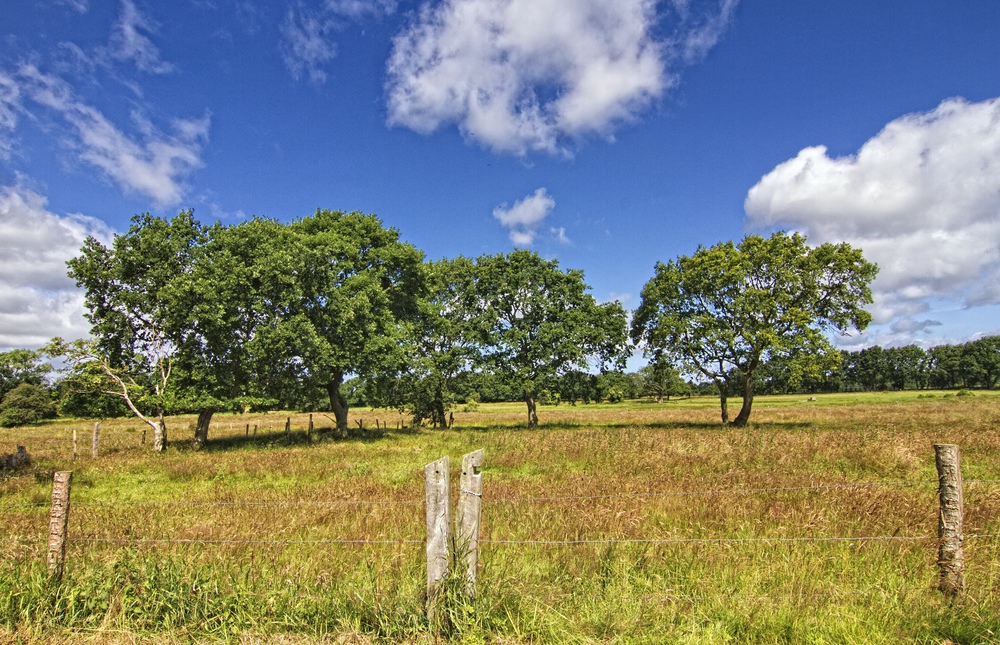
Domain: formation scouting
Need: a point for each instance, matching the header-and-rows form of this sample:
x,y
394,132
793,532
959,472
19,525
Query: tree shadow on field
x,y
280,439
623,425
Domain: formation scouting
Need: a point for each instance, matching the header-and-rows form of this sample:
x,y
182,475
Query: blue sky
x,y
607,135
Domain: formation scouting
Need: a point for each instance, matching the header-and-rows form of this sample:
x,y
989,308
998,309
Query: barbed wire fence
x,y
443,548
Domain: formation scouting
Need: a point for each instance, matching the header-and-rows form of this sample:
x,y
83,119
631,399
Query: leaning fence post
x,y
58,518
438,528
950,557
95,442
470,509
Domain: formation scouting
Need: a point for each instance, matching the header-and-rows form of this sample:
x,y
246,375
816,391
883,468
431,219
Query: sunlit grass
x,y
280,565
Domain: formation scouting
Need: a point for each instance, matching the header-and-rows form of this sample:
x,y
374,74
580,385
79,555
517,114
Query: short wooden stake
x,y
470,511
247,433
951,560
143,437
438,530
288,426
58,519
75,445
255,429
309,430
95,443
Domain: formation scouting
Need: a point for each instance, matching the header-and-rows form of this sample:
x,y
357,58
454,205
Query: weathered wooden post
x,y
95,442
75,445
143,437
470,511
288,426
58,518
438,530
951,560
309,430
247,433
159,436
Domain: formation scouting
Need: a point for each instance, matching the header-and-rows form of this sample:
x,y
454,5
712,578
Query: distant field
x,y
627,523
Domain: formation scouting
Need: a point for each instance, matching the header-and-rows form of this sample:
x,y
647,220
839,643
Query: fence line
x,y
874,538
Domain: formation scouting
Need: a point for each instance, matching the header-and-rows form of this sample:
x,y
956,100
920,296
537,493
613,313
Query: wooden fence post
x,y
159,436
950,557
58,518
95,442
75,445
438,503
470,509
309,430
288,426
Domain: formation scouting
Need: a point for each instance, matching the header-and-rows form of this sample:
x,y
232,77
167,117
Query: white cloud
x,y
523,75
80,6
702,33
130,43
307,34
10,95
358,9
921,198
154,166
560,235
525,216
307,45
37,299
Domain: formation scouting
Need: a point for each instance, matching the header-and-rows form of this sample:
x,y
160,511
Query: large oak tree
x,y
724,310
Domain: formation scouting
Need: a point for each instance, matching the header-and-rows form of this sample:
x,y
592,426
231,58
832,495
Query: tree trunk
x,y
529,398
338,402
741,419
201,429
723,402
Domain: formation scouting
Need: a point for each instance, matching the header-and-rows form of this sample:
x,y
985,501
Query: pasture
x,y
611,523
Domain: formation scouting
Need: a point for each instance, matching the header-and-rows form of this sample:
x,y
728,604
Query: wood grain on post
x,y
438,500
95,442
470,510
58,518
950,557
159,436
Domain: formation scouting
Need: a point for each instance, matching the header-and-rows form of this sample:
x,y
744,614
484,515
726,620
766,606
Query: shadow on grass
x,y
282,440
654,425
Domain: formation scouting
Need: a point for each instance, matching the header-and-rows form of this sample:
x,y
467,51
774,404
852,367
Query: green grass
x,y
617,466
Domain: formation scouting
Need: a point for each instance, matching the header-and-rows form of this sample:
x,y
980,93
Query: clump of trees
x,y
333,310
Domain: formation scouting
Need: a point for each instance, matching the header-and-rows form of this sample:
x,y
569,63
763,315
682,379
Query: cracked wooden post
x,y
470,510
95,442
438,502
159,436
951,562
58,518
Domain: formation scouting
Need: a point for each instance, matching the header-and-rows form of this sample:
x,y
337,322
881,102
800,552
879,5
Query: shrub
x,y
24,405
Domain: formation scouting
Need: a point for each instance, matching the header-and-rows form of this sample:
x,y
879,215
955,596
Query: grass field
x,y
627,523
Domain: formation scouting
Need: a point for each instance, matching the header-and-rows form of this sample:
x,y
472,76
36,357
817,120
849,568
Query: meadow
x,y
637,522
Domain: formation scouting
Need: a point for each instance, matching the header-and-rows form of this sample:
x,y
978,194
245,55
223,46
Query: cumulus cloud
x,y
155,165
129,41
519,75
921,198
308,33
525,216
37,299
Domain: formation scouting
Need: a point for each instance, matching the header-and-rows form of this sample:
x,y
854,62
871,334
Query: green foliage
x,y
21,366
26,404
535,322
723,311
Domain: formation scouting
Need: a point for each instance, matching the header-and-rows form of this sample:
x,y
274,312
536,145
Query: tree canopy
x,y
723,310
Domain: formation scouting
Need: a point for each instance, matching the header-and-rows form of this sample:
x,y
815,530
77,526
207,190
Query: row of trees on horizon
x,y
333,310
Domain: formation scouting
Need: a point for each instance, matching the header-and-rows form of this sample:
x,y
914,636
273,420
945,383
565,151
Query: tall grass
x,y
279,566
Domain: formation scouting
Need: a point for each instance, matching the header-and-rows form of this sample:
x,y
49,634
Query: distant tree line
x,y
334,310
